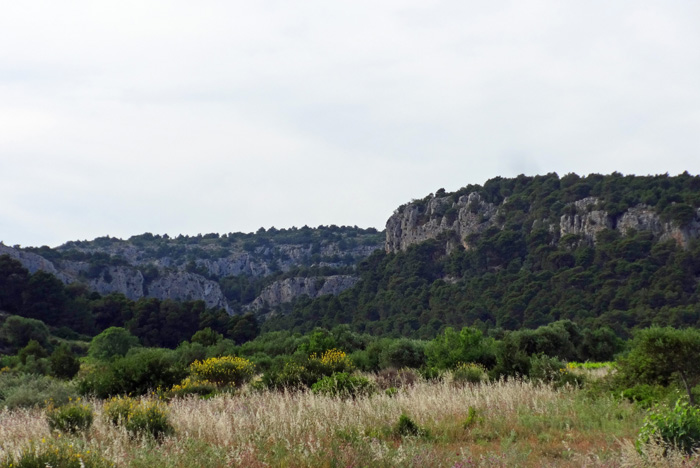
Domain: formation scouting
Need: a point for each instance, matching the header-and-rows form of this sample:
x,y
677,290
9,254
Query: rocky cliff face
x,y
190,268
417,222
287,290
470,214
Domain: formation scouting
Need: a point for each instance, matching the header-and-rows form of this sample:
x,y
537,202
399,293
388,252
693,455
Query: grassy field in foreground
x,y
498,424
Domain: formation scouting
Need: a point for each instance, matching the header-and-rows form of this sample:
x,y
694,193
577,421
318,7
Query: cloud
x,y
226,116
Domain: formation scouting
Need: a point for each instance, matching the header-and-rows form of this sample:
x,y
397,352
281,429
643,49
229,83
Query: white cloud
x,y
225,116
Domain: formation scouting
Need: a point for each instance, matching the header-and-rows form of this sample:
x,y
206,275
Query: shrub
x,y
472,418
469,373
72,418
678,427
344,385
407,427
190,386
140,371
225,370
331,361
64,364
551,370
292,376
431,373
57,454
139,417
25,390
114,341
387,378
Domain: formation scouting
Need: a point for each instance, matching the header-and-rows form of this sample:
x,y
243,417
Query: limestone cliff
x,y
190,268
470,214
287,290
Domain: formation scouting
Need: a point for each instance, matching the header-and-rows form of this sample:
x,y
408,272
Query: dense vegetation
x,y
522,274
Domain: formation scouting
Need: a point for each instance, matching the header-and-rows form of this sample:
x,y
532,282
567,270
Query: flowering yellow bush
x,y
190,386
139,416
333,360
225,370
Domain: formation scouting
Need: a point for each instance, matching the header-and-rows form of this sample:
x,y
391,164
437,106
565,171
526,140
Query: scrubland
x,y
496,424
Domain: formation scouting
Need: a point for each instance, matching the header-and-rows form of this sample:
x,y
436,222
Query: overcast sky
x,y
118,118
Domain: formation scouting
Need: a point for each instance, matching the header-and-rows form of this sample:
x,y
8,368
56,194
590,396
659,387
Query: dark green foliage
x,y
519,274
64,364
111,343
140,371
13,281
343,385
451,348
207,337
34,349
660,355
678,427
406,427
18,331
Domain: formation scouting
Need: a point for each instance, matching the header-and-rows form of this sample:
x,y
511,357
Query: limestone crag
x,y
184,286
428,219
30,261
420,221
287,290
584,219
190,268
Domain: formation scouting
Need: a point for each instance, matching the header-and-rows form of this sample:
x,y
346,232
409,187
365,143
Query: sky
x,y
181,117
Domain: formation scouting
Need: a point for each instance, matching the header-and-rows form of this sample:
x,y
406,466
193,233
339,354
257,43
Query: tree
x,y
64,364
18,331
661,354
13,281
114,341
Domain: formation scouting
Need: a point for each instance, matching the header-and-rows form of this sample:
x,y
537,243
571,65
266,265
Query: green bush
x,y
344,385
149,418
140,371
64,364
407,427
469,373
678,427
72,418
26,390
646,395
291,376
551,370
139,417
59,453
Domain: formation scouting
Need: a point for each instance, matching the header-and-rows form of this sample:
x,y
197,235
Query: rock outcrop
x,y
420,221
189,268
470,214
287,290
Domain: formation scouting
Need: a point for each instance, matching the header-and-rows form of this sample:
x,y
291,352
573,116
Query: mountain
x,y
604,250
235,272
601,250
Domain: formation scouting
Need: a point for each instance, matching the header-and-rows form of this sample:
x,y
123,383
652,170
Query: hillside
x,y
620,251
234,272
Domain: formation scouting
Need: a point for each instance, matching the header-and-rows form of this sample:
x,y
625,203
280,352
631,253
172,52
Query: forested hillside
x,y
617,251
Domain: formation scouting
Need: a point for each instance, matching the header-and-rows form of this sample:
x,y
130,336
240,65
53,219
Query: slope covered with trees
x,y
519,268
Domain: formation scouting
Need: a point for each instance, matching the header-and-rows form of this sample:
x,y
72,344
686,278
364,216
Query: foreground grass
x,y
500,424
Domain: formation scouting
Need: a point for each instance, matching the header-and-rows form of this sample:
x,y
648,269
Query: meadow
x,y
503,423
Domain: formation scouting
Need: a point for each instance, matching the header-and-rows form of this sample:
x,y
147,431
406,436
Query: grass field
x,y
498,424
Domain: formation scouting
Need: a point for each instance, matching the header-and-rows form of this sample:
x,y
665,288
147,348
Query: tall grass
x,y
513,423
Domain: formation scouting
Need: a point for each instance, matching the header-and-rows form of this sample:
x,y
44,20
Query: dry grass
x,y
513,423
